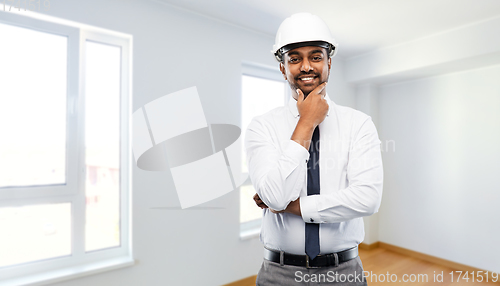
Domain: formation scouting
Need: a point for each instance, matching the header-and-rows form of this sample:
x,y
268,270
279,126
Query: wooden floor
x,y
380,261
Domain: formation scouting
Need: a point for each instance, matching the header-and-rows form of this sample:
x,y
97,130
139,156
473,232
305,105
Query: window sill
x,y
249,234
71,272
250,229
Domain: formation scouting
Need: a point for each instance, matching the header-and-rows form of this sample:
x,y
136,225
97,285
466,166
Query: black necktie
x,y
312,229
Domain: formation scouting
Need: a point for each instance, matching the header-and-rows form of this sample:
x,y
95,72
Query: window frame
x,y
251,229
79,262
70,188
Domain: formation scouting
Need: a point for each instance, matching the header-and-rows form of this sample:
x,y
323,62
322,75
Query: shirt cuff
x,y
294,150
309,209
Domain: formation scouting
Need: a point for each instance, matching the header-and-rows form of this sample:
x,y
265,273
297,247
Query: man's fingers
x,y
256,197
319,89
300,94
259,202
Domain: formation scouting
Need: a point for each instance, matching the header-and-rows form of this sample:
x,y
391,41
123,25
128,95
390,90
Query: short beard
x,y
293,87
297,80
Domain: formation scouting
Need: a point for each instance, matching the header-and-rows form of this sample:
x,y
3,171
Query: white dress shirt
x,y
351,177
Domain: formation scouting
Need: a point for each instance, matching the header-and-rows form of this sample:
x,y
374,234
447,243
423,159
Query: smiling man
x,y
316,167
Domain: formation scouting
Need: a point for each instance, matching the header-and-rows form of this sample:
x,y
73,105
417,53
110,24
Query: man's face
x,y
306,68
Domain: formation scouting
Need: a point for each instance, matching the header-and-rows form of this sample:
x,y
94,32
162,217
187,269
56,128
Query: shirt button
x,y
312,220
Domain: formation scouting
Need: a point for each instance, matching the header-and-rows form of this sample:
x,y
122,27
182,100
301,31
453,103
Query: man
x,y
316,167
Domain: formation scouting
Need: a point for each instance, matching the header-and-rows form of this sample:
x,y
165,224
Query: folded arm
x,y
363,195
277,172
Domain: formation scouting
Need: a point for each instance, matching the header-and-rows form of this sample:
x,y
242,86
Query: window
x,y
262,89
64,154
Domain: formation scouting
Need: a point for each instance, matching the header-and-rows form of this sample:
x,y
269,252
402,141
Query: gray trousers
x,y
347,273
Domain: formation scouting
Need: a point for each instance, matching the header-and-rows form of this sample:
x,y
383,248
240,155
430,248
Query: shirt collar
x,y
292,106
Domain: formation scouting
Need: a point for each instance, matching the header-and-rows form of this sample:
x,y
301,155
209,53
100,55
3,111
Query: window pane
x,y
33,69
36,232
258,97
248,209
102,146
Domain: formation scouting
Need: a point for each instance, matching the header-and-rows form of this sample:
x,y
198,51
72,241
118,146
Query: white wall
x,y
173,50
338,89
441,191
465,47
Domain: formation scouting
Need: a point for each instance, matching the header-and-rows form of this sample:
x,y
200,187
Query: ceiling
x,y
359,26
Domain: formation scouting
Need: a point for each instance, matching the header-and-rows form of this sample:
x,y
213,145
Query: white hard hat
x,y
303,28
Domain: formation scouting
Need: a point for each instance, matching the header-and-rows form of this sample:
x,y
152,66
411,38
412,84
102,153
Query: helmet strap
x,y
285,49
292,46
